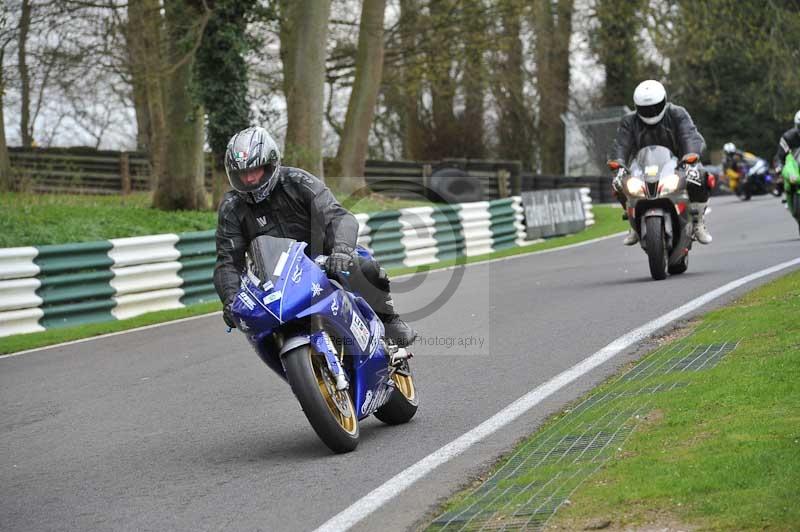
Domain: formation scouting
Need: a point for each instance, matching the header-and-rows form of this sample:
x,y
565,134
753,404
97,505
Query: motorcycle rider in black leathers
x,y
789,142
658,122
286,202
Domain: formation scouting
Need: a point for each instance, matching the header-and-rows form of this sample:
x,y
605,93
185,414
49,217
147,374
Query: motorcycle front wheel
x,y
656,247
330,411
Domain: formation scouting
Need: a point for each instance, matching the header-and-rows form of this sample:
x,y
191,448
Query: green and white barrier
x,y
65,285
46,287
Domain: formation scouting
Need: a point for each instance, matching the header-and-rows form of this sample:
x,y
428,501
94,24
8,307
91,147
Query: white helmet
x,y
729,148
797,120
650,99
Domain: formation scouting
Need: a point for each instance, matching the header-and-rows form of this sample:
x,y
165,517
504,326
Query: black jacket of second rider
x,y
676,131
300,207
789,142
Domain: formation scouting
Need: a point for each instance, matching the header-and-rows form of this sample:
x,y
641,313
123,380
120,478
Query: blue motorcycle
x,y
324,340
757,179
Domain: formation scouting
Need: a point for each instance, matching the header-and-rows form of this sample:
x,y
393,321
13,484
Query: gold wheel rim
x,y
338,402
405,383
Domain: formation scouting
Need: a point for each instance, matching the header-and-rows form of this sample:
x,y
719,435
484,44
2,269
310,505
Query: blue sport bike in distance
x,y
324,340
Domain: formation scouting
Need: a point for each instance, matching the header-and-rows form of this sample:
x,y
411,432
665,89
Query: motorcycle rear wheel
x,y
330,411
403,403
656,247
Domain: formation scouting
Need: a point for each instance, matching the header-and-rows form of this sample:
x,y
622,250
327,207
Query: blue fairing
x,y
302,290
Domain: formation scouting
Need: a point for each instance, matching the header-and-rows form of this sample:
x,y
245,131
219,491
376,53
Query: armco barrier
x,y
47,287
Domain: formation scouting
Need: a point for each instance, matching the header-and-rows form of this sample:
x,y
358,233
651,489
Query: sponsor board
x,y
553,212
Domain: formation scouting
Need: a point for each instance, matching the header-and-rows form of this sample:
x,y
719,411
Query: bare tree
x,y
413,137
515,124
6,37
180,184
145,40
474,35
25,125
361,108
553,24
6,177
618,48
135,38
304,29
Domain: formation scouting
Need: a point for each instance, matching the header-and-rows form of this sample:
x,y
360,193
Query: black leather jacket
x,y
789,142
300,207
676,131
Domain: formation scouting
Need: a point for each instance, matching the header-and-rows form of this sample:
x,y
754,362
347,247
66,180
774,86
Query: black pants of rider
x,y
371,282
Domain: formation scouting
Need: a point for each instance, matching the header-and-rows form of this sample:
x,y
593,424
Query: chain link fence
x,y
588,139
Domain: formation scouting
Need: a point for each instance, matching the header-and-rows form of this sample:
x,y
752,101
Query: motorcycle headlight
x,y
669,184
635,187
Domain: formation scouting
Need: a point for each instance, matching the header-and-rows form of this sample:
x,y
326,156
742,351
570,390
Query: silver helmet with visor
x,y
252,162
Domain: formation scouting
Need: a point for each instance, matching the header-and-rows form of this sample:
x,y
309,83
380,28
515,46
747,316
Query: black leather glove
x,y
339,261
227,315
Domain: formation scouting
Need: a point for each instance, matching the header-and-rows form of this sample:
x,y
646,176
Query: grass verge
x,y
39,219
684,439
607,221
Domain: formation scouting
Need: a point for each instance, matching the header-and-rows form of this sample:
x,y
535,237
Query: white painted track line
x,y
109,335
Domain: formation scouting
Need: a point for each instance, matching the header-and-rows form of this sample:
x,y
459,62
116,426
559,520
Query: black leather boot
x,y
398,331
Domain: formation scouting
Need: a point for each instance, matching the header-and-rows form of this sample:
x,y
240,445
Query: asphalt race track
x,y
182,427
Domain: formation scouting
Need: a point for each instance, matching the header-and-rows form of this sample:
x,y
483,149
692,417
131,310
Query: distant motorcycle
x,y
755,180
791,184
324,340
659,208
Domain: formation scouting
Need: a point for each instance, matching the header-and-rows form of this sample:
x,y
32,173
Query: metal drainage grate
x,y
527,490
522,493
610,396
690,358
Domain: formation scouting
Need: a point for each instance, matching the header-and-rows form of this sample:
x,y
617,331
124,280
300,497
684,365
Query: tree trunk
x,y
148,71
413,131
474,82
443,87
6,177
137,59
553,25
361,108
181,183
221,81
616,47
304,31
25,128
515,127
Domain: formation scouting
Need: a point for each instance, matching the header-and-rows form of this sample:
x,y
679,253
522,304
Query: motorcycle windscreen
x,y
267,257
652,162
